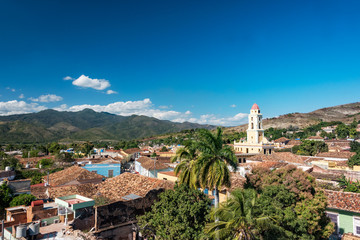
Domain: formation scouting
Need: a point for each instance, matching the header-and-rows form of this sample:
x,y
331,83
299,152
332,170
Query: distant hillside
x,y
86,125
345,113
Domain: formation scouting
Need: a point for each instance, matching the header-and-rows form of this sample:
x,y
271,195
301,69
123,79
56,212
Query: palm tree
x,y
212,162
239,218
186,158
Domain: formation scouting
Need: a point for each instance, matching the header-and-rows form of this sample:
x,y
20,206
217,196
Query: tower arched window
x,y
252,125
259,126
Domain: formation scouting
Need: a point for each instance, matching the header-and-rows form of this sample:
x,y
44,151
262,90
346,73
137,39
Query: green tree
x,y
54,147
354,160
164,149
342,131
355,147
22,199
179,214
186,168
213,161
5,197
289,196
309,147
240,217
45,163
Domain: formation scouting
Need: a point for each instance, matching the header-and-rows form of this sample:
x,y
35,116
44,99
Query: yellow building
x,y
256,142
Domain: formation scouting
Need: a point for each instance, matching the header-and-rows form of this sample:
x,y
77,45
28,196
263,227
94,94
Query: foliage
x,y
164,149
211,165
354,160
101,200
355,147
240,217
22,199
7,160
153,154
342,131
289,196
349,185
64,157
5,197
275,133
179,214
32,153
186,167
45,163
309,147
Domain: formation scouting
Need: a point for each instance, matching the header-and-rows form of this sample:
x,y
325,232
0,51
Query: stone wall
x,y
124,211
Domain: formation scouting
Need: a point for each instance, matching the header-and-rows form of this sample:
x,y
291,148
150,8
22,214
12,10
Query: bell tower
x,y
255,132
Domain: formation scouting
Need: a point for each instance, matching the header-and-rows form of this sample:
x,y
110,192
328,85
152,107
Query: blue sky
x,y
200,61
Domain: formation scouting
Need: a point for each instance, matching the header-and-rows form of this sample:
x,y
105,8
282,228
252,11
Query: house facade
x,y
344,211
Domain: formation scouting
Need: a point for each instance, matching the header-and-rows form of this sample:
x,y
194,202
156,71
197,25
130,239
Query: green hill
x,y
86,125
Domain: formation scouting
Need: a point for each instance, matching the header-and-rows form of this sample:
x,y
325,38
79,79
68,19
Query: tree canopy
x,y
179,214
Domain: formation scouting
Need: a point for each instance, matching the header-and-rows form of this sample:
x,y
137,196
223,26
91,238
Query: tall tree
x,y
213,161
179,214
240,217
186,168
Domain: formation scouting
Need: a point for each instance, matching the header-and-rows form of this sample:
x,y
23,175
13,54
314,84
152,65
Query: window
x,y
252,125
111,173
357,226
206,191
334,217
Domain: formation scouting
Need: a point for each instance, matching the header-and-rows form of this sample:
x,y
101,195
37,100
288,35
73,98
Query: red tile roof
x,y
71,174
280,140
346,201
336,154
132,150
277,157
255,107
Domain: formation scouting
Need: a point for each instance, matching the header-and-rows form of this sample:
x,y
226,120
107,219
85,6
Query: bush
x,y
45,163
23,199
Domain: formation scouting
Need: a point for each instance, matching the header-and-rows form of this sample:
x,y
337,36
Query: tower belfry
x,y
255,132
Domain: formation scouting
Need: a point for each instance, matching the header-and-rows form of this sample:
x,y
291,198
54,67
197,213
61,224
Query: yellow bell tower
x,y
255,132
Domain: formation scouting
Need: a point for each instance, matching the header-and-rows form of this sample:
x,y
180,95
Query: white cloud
x,y
233,105
141,107
86,82
212,119
11,89
47,98
145,107
19,107
21,96
67,78
111,92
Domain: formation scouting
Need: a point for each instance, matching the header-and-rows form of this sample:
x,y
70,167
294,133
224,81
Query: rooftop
x,y
346,155
255,107
346,201
128,183
70,174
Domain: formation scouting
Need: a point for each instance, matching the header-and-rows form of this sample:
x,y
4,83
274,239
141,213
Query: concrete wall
x,y
346,220
103,169
121,215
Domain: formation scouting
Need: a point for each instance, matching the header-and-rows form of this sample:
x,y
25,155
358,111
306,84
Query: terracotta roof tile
x,y
117,187
71,174
336,154
132,150
346,201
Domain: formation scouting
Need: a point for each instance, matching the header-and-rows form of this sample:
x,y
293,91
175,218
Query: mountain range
x,y
345,113
86,125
